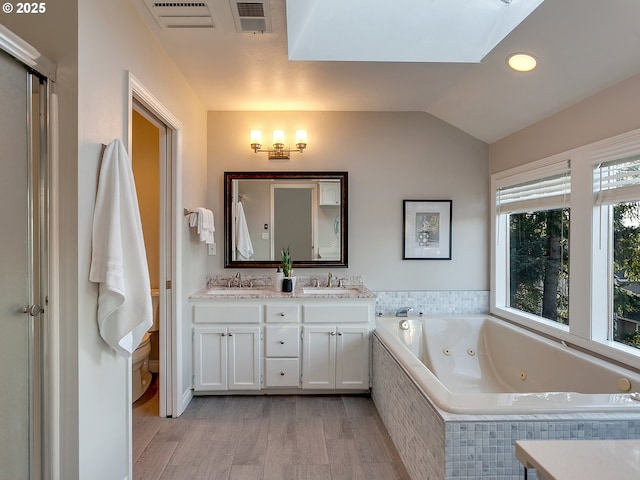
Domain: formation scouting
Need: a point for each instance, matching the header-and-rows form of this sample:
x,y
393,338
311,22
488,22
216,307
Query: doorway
x,y
294,220
151,156
147,135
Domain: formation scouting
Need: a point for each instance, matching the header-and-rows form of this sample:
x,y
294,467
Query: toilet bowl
x,y
140,375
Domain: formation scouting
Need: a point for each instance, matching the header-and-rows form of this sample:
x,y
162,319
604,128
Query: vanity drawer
x,y
282,372
247,313
346,313
283,313
282,341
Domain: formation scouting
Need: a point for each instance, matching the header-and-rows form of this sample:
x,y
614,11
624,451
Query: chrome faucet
x,y
330,280
404,325
238,280
403,312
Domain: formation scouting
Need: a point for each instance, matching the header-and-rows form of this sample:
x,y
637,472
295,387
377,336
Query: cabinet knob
x,y
223,334
340,333
333,333
281,342
282,314
230,334
282,374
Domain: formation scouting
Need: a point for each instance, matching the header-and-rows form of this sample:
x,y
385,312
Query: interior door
x,y
20,301
293,221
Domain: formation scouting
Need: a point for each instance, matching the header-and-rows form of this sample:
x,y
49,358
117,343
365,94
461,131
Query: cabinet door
x,y
352,358
329,193
209,358
319,357
244,358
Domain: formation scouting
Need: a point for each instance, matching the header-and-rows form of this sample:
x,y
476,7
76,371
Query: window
x,y
617,189
535,214
539,263
566,247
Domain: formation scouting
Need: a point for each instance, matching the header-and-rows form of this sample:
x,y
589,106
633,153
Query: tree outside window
x,y
626,282
539,263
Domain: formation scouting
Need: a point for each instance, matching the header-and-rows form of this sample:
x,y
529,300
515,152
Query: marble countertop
x,y
270,292
583,459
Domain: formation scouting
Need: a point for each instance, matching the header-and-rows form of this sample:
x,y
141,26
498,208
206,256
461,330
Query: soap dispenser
x,y
279,276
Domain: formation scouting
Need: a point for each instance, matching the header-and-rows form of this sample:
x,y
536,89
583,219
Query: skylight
x,y
401,30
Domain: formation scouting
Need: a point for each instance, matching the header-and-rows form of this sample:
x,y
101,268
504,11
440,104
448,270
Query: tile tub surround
x,y
440,302
435,444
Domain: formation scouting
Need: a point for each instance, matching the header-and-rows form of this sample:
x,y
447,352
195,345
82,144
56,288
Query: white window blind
x,y
617,181
552,190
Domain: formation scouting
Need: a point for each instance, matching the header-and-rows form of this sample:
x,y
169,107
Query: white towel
x,y
118,259
202,218
243,240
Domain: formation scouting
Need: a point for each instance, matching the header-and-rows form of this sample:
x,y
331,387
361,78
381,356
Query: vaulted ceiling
x,y
582,46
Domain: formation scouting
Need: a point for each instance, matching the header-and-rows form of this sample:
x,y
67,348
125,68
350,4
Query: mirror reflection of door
x,y
293,220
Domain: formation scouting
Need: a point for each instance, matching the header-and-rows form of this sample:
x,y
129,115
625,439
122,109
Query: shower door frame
x,y
41,130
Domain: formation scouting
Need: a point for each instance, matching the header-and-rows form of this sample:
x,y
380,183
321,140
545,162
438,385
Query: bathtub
x,y
456,393
478,364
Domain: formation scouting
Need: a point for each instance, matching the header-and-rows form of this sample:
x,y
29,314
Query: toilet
x,y
141,376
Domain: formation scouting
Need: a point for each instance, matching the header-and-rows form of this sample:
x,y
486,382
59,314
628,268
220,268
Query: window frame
x,y
589,265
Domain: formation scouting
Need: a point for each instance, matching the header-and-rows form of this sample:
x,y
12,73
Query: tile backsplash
x,y
434,302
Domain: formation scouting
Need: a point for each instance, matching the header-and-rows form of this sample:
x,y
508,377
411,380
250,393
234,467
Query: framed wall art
x,y
427,229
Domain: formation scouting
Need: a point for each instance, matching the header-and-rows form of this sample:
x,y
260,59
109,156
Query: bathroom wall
x,y
114,41
608,113
390,156
145,153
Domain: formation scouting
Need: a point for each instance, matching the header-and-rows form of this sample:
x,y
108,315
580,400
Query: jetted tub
x,y
478,364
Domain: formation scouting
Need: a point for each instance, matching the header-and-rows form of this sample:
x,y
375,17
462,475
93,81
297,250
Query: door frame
x,y
170,262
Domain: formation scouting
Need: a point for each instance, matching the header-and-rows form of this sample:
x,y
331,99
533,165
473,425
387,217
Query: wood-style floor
x,y
264,438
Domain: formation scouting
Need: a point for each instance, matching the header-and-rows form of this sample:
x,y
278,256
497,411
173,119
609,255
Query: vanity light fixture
x,y
522,62
279,151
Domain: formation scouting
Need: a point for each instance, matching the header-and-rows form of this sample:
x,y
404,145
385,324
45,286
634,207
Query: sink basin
x,y
330,291
238,291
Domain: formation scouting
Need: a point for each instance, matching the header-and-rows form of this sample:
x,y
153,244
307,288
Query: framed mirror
x,y
265,212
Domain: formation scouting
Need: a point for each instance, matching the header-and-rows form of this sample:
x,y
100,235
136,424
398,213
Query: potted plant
x,y
288,283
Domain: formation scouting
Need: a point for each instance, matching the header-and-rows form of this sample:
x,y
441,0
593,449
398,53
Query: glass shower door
x,y
20,312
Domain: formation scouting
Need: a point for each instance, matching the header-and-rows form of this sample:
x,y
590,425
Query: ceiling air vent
x,y
182,14
251,17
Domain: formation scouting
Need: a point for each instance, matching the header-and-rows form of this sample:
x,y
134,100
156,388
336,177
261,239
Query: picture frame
x,y
427,229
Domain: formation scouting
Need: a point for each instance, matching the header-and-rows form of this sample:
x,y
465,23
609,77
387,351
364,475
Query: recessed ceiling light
x,y
522,62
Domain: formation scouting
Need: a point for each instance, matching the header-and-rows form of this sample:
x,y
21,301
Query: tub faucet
x,y
239,280
404,311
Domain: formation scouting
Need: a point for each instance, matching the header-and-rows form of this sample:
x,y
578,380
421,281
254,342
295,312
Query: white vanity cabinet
x,y
336,354
226,355
284,344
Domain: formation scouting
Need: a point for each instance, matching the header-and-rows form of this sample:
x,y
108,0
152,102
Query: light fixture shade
x,y
256,137
278,137
301,136
522,62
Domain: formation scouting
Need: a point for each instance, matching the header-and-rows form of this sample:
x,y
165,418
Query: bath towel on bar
x,y
118,257
202,219
243,240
